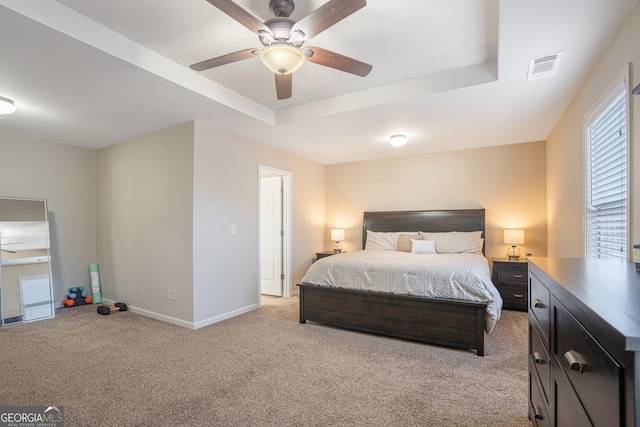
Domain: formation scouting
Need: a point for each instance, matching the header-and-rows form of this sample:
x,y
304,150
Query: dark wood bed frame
x,y
441,321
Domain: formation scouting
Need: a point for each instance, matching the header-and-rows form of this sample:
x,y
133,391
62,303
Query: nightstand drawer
x,y
514,297
508,275
510,278
320,255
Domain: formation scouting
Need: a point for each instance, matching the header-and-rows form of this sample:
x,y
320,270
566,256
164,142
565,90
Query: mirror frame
x,y
29,277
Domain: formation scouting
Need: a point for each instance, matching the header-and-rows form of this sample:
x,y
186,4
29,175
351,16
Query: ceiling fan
x,y
282,39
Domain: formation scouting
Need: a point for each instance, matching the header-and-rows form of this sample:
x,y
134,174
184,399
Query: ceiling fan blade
x,y
339,62
327,15
240,15
225,59
284,83
11,243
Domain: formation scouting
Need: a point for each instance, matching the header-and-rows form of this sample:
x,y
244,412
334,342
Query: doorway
x,y
274,230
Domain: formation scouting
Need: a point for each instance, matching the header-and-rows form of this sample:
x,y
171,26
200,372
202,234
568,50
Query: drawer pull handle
x,y
537,303
574,362
518,276
536,413
537,358
518,295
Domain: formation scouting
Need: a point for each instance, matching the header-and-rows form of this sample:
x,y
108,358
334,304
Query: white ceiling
x,y
449,74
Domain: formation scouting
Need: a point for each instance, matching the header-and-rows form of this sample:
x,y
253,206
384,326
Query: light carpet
x,y
262,368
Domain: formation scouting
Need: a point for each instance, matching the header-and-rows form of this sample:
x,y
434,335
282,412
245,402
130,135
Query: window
x,y
606,174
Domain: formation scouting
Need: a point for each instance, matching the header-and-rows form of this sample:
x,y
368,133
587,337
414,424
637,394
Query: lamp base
x,y
337,251
513,253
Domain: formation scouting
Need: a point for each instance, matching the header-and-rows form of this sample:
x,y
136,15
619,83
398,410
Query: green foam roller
x,y
94,273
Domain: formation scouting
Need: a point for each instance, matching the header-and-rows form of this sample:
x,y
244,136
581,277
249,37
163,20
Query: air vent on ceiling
x,y
544,66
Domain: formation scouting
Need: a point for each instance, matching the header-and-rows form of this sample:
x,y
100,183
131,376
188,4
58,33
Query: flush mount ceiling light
x,y
282,58
6,106
398,140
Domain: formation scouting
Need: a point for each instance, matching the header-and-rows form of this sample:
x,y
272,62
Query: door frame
x,y
287,224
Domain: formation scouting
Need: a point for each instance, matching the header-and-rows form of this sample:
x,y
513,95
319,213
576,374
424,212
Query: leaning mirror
x,y
26,292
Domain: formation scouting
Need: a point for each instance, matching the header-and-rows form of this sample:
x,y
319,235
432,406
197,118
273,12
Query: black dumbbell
x,y
119,306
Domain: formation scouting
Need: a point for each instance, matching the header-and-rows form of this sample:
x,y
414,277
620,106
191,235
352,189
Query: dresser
x,y
510,278
584,342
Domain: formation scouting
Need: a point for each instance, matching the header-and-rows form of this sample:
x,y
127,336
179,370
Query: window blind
x,y
606,210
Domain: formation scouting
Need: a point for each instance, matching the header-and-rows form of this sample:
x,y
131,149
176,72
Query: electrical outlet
x,y
169,294
175,295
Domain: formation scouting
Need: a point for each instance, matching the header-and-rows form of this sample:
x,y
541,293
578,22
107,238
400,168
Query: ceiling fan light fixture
x,y
282,58
6,106
397,140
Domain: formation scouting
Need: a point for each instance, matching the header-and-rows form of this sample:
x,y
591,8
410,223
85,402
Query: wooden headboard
x,y
430,221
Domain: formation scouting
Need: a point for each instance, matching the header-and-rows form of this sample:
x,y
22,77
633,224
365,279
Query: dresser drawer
x,y
538,410
539,304
593,374
511,275
567,408
539,362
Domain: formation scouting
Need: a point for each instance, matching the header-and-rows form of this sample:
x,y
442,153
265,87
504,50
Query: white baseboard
x,y
154,315
185,323
225,316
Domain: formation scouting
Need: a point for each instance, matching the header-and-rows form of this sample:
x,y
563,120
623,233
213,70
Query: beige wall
x,y
226,183
508,181
565,146
66,177
166,202
145,223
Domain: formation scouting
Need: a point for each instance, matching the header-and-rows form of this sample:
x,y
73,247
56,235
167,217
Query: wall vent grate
x,y
544,66
36,297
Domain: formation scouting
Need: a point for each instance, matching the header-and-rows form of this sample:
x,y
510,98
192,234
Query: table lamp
x,y
513,238
337,235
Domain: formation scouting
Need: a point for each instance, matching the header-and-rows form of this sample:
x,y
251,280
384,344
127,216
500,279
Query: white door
x,y
271,236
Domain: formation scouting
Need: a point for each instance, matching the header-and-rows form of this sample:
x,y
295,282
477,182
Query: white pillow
x,y
384,241
456,242
423,246
404,242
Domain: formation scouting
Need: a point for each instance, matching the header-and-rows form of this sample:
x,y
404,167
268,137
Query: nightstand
x,y
511,279
320,255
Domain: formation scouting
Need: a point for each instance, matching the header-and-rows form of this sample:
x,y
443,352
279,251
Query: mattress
x,y
452,276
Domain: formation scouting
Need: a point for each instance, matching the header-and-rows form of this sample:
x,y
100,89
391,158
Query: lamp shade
x,y
513,237
337,235
282,58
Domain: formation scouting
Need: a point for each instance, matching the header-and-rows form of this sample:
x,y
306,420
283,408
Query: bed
x,y
448,321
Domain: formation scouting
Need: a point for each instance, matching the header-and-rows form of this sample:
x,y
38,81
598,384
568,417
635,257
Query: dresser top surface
x,y
608,288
